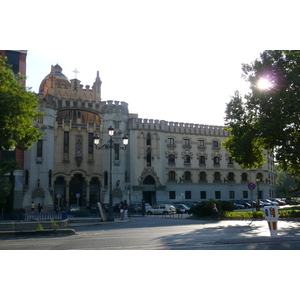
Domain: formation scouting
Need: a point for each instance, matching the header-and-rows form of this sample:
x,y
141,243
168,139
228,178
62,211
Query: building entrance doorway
x,y
77,190
149,197
149,193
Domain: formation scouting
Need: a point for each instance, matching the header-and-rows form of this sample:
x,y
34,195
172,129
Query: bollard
x,y
271,215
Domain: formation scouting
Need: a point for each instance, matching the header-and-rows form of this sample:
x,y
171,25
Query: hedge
x,y
204,208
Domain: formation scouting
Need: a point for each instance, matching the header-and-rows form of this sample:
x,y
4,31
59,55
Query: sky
x,y
171,85
169,60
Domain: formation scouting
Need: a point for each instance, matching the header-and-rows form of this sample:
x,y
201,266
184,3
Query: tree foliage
x,y
18,110
267,118
287,185
6,167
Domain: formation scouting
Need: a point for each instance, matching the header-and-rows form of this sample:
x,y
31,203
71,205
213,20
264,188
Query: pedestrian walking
x,y
32,206
40,207
215,212
125,210
121,208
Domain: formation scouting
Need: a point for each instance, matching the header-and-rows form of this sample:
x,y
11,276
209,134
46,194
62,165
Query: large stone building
x,y
164,161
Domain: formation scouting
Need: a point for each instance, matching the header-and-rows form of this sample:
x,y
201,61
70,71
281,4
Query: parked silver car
x,y
161,209
265,202
74,208
274,203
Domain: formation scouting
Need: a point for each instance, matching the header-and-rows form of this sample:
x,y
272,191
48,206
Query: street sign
x,y
251,186
77,195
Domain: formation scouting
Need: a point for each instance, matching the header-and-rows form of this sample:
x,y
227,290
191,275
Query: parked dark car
x,y
105,207
137,207
116,207
92,207
247,204
181,208
244,203
254,203
190,204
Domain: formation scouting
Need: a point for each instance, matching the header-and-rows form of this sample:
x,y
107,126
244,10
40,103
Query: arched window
x,y
171,176
259,176
148,157
187,143
230,176
171,159
26,177
187,176
202,160
105,178
217,176
149,180
215,144
202,176
216,160
187,159
148,139
50,178
244,177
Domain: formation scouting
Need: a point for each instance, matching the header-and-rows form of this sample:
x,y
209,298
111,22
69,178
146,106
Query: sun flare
x,y
264,84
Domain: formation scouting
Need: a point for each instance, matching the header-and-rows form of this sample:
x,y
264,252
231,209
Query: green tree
x,y
287,185
18,110
267,118
6,167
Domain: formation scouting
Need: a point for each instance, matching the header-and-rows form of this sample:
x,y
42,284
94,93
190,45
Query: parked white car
x,y
272,202
74,208
161,209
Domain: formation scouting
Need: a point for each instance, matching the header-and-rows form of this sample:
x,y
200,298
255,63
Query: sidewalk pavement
x,y
26,229
68,226
259,239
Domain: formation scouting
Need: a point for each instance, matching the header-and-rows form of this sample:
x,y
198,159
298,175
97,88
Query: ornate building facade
x,y
164,161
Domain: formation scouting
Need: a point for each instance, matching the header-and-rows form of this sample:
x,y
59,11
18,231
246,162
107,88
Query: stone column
x,y
68,192
87,192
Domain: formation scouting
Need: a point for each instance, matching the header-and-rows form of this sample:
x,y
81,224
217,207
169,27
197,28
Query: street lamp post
x,y
257,201
110,145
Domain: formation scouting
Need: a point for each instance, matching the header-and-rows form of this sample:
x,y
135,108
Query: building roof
x,y
58,75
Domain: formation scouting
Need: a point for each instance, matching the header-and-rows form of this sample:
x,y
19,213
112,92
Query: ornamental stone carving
x,y
146,172
186,152
171,152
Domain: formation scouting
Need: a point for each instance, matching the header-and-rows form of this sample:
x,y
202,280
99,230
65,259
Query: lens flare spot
x,y
264,84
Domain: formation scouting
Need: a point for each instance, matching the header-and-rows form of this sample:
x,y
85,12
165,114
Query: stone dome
x,y
59,78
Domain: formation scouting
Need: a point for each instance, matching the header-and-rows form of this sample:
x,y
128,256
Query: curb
x,y
52,232
263,239
82,224
36,233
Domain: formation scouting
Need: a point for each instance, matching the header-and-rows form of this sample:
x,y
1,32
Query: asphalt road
x,y
153,233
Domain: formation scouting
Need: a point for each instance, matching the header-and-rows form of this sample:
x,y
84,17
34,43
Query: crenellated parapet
x,y
111,106
176,127
58,103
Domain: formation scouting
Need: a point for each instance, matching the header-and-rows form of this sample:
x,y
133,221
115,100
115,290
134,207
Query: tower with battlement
x,y
64,162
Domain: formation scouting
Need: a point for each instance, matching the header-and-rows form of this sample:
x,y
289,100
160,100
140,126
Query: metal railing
x,y
62,215
45,216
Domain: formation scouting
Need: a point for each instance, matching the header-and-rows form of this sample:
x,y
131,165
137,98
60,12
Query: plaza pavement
x,y
67,227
